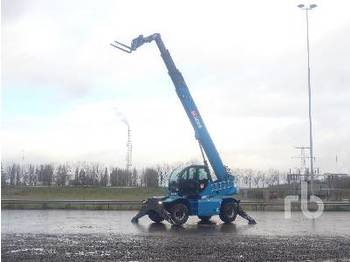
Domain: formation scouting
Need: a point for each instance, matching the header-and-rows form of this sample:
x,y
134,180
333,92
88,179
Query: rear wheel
x,y
179,214
155,217
228,212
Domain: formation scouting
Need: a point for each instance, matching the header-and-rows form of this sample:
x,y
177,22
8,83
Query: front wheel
x,y
228,212
155,217
179,214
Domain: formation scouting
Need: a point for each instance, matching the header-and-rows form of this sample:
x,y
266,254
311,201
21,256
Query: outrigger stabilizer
x,y
153,205
191,190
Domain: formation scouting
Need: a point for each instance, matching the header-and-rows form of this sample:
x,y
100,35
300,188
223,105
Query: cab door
x,y
189,182
193,180
203,177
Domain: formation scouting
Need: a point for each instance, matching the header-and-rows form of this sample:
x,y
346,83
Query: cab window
x,y
202,174
191,173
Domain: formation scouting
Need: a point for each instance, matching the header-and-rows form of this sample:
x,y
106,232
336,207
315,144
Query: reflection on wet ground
x,y
191,229
85,222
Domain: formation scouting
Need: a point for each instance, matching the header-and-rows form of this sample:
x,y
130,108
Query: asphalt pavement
x,y
82,235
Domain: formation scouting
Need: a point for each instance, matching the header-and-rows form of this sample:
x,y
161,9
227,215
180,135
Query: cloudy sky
x,y
244,61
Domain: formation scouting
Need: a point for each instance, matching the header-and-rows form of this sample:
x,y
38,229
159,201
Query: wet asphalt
x,y
80,235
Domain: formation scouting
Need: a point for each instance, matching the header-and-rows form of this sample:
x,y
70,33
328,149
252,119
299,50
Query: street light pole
x,y
307,9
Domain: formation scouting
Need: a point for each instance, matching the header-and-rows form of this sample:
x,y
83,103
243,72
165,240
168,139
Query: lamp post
x,y
307,9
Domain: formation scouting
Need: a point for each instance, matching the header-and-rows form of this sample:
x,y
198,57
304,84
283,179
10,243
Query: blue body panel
x,y
197,207
209,206
220,188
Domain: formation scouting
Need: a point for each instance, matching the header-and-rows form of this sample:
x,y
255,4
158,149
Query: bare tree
x,y
134,176
250,174
150,177
256,178
274,176
120,177
14,173
61,175
4,175
82,178
33,179
47,174
104,178
76,177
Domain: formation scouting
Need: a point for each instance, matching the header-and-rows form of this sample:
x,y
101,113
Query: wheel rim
x,y
179,214
229,210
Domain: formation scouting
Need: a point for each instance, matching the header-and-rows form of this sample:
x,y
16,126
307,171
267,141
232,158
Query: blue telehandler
x,y
192,191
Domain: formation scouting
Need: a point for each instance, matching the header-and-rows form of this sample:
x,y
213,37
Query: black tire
x,y
228,212
155,217
179,214
204,219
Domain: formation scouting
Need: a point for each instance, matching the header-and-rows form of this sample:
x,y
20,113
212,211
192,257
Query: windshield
x,y
174,179
174,174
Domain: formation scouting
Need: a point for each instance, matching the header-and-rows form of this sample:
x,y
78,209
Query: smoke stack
x,y
129,150
123,118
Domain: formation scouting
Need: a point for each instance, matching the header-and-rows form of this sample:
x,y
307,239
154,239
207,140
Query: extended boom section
x,y
201,132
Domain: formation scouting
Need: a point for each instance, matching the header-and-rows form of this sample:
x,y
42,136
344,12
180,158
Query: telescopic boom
x,y
201,132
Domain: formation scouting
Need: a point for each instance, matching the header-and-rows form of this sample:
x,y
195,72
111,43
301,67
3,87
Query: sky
x,y
66,93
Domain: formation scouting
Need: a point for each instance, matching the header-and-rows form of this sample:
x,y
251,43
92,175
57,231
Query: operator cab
x,y
189,181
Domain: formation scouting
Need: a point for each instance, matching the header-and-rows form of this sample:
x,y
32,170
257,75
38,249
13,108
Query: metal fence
x,y
133,205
